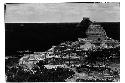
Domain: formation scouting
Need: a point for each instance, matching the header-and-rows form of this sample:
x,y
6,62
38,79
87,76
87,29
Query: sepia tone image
x,y
62,42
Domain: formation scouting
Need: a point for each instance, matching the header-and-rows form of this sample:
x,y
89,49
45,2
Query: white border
x,y
2,30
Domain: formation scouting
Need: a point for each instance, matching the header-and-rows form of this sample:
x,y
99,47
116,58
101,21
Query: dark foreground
x,y
29,60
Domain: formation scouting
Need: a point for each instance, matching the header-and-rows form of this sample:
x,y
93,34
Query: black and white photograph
x,y
62,42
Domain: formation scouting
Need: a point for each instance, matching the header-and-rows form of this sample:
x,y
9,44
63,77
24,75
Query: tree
x,y
82,27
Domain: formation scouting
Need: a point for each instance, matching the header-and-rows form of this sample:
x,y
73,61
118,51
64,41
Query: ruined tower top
x,y
96,33
95,29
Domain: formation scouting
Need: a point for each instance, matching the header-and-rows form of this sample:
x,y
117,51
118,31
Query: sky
x,y
61,12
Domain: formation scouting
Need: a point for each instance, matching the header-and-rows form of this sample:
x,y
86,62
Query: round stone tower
x,y
96,34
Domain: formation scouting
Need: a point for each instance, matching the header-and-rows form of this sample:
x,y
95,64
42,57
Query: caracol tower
x,y
96,34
